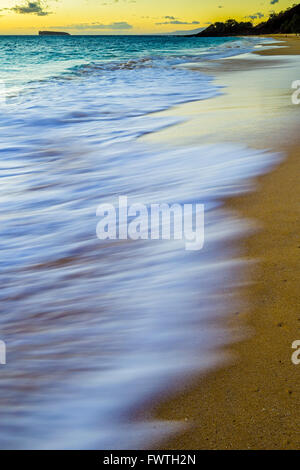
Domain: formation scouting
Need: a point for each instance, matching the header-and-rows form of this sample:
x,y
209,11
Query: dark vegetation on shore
x,y
285,22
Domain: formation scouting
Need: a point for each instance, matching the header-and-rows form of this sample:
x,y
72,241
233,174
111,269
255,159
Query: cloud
x,y
31,7
117,26
255,16
177,22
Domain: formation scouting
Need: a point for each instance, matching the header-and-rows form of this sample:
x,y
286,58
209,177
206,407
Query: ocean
x,y
94,329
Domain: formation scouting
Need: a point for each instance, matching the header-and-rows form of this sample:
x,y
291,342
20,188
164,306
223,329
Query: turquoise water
x,y
96,329
27,58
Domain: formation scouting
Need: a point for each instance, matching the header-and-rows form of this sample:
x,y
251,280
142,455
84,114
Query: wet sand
x,y
290,46
252,402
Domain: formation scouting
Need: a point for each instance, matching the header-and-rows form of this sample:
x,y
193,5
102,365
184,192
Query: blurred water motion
x,y
93,329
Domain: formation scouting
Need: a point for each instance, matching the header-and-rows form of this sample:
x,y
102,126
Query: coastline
x,y
292,40
126,335
252,402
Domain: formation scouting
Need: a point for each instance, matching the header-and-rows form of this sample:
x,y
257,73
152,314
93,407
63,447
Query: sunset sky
x,y
127,16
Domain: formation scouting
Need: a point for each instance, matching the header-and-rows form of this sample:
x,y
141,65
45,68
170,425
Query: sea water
x,y
95,330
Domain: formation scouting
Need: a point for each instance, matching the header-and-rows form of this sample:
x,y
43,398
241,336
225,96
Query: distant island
x,y
53,33
285,22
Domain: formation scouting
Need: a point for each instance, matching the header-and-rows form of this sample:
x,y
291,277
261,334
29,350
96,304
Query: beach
x,y
251,401
132,340
98,327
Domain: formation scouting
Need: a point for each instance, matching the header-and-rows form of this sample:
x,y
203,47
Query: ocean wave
x,y
94,329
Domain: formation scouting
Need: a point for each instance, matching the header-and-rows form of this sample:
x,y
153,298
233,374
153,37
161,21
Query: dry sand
x,y
253,403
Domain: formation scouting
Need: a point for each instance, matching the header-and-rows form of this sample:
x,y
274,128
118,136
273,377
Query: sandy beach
x,y
116,342
252,400
150,241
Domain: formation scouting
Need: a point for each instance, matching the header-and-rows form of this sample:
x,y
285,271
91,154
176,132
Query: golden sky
x,y
127,16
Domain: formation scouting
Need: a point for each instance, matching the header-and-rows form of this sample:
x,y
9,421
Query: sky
x,y
128,16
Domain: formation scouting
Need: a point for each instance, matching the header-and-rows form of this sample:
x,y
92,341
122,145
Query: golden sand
x,y
253,403
293,42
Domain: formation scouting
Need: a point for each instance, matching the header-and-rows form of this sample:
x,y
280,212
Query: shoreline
x,y
252,402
